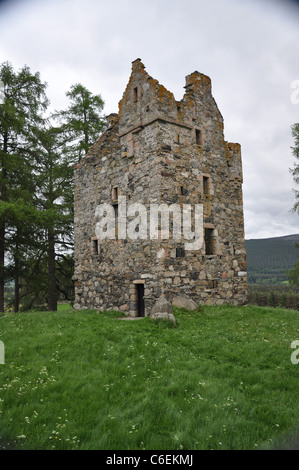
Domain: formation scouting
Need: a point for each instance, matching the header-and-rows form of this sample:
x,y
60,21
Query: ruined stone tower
x,y
156,151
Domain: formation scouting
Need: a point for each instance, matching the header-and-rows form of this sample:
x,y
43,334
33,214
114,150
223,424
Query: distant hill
x,y
268,259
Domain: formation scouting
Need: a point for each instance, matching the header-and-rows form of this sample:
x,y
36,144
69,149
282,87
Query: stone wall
x,y
159,150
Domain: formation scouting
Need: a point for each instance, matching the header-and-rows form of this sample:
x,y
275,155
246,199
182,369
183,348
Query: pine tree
x,y
82,120
54,200
36,185
295,169
22,110
294,273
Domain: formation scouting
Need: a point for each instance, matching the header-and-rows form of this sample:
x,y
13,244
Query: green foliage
x,y
82,121
294,275
36,186
22,111
294,272
222,379
54,189
273,295
295,169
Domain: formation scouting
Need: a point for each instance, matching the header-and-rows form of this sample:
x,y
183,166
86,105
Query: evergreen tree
x,y
82,120
54,200
295,169
20,113
36,186
294,273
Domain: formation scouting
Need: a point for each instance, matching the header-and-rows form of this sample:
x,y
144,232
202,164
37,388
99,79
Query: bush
x,y
274,296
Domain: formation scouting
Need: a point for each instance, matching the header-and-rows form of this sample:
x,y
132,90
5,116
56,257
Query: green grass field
x,y
221,379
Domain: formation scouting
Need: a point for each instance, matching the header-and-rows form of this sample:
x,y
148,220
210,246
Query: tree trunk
x,y
2,223
52,289
17,280
2,250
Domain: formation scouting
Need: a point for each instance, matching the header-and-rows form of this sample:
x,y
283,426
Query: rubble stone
x,y
182,301
160,150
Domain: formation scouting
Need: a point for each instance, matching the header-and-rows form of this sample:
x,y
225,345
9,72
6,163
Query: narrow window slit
x,y
136,94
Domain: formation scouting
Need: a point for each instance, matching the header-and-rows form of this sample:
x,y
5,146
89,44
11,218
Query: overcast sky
x,y
249,49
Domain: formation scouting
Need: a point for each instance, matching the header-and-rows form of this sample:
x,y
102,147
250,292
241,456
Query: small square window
x,y
180,252
183,191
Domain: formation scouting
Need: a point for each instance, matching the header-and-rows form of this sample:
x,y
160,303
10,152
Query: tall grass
x,y
221,379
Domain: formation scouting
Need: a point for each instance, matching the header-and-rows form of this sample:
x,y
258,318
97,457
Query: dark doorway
x,y
209,241
140,300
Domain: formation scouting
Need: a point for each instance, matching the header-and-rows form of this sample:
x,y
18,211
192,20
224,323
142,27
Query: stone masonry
x,y
159,150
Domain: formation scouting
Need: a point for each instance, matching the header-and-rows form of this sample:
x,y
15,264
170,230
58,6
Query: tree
x,y
36,185
82,120
294,273
295,169
54,200
57,148
22,111
80,125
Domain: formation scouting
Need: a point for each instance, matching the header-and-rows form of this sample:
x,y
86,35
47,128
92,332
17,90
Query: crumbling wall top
x,y
145,99
198,82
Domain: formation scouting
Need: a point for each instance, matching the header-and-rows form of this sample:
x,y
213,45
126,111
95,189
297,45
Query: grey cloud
x,y
249,49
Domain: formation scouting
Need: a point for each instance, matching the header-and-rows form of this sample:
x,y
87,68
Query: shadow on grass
x,y
290,441
5,444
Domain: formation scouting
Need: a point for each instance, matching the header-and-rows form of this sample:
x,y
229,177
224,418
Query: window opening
x,y
136,94
94,246
140,300
209,241
205,184
180,252
115,193
198,136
